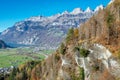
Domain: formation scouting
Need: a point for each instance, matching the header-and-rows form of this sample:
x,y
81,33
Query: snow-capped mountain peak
x,y
54,16
76,11
36,18
88,10
99,7
65,12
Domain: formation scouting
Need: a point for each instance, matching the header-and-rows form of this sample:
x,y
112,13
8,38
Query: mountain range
x,y
46,32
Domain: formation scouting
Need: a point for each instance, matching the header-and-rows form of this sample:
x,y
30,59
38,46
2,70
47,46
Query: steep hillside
x,y
103,28
90,52
46,31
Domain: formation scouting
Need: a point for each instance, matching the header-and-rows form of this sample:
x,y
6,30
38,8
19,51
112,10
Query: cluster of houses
x,y
5,71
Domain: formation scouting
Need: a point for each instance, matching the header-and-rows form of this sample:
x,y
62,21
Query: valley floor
x,y
18,56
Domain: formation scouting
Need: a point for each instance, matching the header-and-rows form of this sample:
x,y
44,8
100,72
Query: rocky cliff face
x,y
90,53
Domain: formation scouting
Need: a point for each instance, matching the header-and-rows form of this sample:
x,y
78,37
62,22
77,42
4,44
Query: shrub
x,y
84,52
57,56
76,48
95,67
62,49
81,75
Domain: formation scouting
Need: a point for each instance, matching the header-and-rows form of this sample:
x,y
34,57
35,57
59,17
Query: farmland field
x,y
18,56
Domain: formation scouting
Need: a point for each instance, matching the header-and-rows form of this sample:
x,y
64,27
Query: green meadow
x,y
18,56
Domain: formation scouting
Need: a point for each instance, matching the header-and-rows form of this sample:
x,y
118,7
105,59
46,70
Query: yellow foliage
x,y
76,32
80,41
21,67
117,2
28,71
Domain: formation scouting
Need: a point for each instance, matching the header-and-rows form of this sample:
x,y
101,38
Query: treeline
x,y
23,72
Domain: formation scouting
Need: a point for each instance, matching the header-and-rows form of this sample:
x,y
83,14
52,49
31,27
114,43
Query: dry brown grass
x,y
106,76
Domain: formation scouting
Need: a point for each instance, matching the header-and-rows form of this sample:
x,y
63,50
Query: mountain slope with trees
x,y
90,52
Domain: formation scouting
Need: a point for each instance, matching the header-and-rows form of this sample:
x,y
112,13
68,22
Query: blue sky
x,y
12,11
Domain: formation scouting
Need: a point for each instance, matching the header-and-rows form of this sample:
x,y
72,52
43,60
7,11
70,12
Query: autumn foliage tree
x,y
76,33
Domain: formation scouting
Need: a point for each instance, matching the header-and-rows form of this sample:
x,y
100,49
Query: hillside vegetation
x,y
103,28
90,52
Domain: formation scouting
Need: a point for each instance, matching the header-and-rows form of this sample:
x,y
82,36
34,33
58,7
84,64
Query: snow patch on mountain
x,y
5,32
77,11
53,17
37,18
99,7
88,10
65,12
19,29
